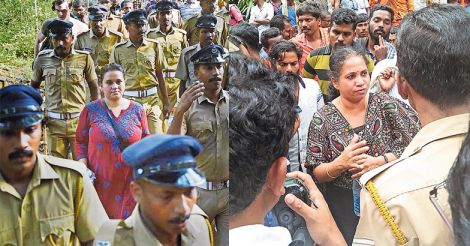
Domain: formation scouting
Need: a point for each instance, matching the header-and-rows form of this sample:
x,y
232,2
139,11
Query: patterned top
x,y
97,141
390,125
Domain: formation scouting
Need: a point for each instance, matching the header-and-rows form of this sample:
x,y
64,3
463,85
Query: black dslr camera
x,y
289,219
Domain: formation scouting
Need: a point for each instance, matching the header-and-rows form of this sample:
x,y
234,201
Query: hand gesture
x,y
166,111
192,93
381,50
352,153
320,223
387,79
365,163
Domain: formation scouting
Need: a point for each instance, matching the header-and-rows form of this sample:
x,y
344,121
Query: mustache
x,y
19,154
215,79
179,220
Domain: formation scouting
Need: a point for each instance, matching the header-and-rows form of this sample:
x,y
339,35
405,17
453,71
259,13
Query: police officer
x,y
99,40
165,176
175,18
45,200
190,26
203,113
114,22
143,62
206,25
64,71
173,41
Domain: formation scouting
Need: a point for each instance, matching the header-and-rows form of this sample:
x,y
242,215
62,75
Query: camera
x,y
289,219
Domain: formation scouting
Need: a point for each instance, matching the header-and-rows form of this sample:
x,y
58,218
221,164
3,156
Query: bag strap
x,y
211,234
115,126
385,212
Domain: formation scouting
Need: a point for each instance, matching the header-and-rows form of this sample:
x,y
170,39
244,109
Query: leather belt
x,y
215,185
66,116
144,93
169,74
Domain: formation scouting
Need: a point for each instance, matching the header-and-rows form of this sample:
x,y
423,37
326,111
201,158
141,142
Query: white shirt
x,y
259,235
265,12
310,100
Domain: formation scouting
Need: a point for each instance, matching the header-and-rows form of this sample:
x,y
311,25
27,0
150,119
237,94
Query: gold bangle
x,y
328,173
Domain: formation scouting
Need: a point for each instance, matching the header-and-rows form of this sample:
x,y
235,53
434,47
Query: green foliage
x,y
245,7
19,25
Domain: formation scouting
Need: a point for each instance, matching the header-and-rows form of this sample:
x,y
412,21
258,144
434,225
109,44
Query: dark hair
x,y
78,3
430,59
279,22
111,67
362,18
239,64
307,8
337,59
262,118
458,185
125,2
246,34
280,48
325,13
381,7
343,16
59,2
268,34
394,30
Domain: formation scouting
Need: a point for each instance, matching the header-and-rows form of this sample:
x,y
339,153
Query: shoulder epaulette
x,y
115,33
44,52
180,30
74,165
82,52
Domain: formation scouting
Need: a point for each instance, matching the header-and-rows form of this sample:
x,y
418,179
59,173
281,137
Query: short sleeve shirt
x,y
172,44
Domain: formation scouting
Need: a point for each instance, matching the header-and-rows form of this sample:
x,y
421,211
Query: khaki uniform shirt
x,y
172,44
115,23
46,212
208,123
139,63
133,232
99,48
177,21
185,68
404,186
65,79
193,32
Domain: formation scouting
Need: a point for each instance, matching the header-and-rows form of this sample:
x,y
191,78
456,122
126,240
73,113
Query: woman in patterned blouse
x,y
353,134
104,128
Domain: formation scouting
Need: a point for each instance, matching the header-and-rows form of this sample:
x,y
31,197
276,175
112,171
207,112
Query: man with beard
x,y
208,7
45,200
64,70
99,40
173,41
206,25
341,33
203,113
165,177
62,9
285,57
380,23
362,26
311,35
143,62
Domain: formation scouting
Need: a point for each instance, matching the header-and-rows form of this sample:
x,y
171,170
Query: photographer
x,y
262,121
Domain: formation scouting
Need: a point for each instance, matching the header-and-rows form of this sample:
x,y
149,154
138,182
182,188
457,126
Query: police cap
x,y
165,160
97,12
60,28
20,106
166,5
210,54
138,16
206,21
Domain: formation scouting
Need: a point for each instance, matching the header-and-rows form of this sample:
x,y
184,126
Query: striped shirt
x,y
187,10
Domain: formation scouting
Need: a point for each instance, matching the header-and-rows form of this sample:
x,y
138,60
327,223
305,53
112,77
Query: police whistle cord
x,y
397,233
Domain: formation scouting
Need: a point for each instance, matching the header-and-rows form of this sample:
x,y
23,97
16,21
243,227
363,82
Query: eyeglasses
x,y
440,209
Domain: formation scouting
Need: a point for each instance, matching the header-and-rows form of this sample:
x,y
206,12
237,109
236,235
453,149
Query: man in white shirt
x,y
285,58
261,15
263,119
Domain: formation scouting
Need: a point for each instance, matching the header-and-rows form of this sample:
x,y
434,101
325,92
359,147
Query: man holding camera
x,y
262,119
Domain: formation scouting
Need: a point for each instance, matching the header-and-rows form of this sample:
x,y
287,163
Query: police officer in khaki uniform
x,y
165,176
143,61
185,71
44,200
173,41
398,205
64,71
190,26
99,40
203,113
176,17
114,22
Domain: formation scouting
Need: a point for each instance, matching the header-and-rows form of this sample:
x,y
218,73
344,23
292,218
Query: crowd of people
x,y
178,123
